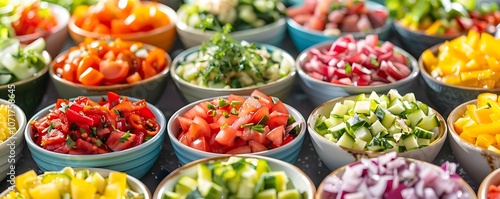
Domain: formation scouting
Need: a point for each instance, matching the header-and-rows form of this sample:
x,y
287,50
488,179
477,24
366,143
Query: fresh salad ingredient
x,y
71,184
83,126
493,192
225,63
117,17
101,62
357,62
380,123
389,176
336,17
8,123
26,17
237,125
71,5
447,17
480,124
19,63
235,177
242,14
470,60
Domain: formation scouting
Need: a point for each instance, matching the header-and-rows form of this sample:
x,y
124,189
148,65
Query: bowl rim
x,y
319,191
398,27
59,13
177,171
369,4
482,191
301,58
160,117
122,86
181,25
180,58
434,49
442,129
292,111
162,7
451,120
22,123
130,180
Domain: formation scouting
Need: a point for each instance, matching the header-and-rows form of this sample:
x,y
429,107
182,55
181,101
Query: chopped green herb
x,y
259,128
264,119
348,68
94,130
224,126
222,103
236,103
275,100
98,142
148,137
246,125
82,130
210,106
225,114
256,97
374,61
125,137
234,111
51,126
69,142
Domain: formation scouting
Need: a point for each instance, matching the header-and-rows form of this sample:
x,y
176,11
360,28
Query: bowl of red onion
x,y
393,177
349,66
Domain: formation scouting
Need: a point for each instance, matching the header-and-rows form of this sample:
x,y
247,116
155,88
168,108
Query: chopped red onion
x,y
393,177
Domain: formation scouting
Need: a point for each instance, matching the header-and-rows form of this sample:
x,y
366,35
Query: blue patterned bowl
x,y
135,161
446,97
304,38
288,152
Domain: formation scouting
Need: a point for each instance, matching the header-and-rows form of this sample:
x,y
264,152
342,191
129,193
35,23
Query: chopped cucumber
x,y
36,46
267,194
5,78
379,123
289,194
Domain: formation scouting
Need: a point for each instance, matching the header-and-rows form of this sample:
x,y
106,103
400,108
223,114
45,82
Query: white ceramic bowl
x,y
56,38
272,34
280,88
491,179
476,161
335,156
12,148
297,177
133,183
320,91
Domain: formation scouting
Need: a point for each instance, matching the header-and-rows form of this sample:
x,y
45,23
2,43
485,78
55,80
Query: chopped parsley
x,y
125,137
348,69
259,128
98,142
51,126
69,142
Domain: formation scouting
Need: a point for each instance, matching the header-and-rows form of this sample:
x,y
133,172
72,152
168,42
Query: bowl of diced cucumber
x,y
77,183
23,72
253,21
346,129
226,66
242,176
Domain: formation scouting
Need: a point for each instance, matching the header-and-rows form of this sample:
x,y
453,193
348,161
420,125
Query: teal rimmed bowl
x,y
135,161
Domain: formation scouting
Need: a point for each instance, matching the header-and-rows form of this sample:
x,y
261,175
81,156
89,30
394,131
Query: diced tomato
x,y
184,123
204,128
277,119
240,121
256,147
279,107
227,120
276,135
226,136
250,105
183,139
233,97
287,140
53,137
196,111
117,142
240,150
200,144
193,132
261,115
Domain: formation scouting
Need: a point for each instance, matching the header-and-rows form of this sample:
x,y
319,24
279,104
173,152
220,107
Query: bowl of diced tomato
x,y
95,67
42,19
113,132
349,66
474,128
256,124
459,70
133,20
490,186
315,22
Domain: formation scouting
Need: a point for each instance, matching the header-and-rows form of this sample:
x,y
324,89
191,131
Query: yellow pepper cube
x,y
25,180
482,99
459,124
485,140
429,59
491,128
483,115
80,189
493,64
118,178
472,38
467,138
45,191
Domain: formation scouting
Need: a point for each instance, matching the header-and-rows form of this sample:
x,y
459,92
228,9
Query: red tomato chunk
x,y
357,62
493,192
87,127
237,125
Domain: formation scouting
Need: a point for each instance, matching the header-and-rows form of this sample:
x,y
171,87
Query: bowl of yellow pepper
x,y
459,70
12,125
474,128
76,183
422,23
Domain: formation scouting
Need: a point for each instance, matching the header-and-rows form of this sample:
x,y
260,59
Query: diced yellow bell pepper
x,y
459,124
488,83
488,45
482,99
452,79
495,116
471,109
493,64
26,180
80,189
118,178
476,75
45,191
491,128
468,138
429,59
433,29
471,65
483,115
493,148
485,140
472,38
113,191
